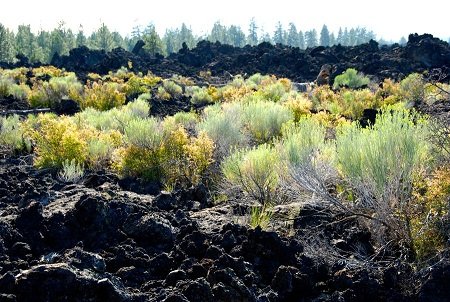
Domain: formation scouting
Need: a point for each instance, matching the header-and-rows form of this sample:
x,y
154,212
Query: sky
x,y
388,19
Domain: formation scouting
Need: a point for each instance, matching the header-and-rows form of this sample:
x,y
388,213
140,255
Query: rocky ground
x,y
110,239
104,239
422,52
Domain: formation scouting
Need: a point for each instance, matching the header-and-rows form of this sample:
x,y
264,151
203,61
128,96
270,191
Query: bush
x,y
430,224
138,85
260,216
412,88
102,96
388,94
254,172
274,92
163,152
5,86
51,71
11,133
224,128
380,163
201,96
188,120
351,103
56,140
199,154
100,149
298,104
169,89
48,94
301,140
144,133
351,78
113,119
264,119
71,171
20,92
139,108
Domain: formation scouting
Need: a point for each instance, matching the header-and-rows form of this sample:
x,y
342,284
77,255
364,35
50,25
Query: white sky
x,y
389,19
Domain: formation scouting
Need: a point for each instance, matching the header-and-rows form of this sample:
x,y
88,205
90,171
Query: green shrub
x,y
301,140
144,133
412,88
48,94
11,133
264,119
429,221
169,89
260,216
351,78
20,92
115,118
56,140
102,96
224,129
5,86
201,96
188,120
138,108
100,148
254,171
381,162
256,80
71,171
273,92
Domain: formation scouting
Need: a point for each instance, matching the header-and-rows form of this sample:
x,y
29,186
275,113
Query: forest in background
x,y
43,45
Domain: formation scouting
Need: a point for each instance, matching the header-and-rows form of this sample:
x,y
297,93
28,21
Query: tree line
x,y
45,44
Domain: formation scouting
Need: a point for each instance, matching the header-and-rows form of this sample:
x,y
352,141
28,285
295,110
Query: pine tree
x,y
24,40
301,40
153,43
236,36
278,34
311,38
324,36
340,37
81,38
332,39
292,36
252,38
186,36
117,40
218,33
345,38
352,37
6,44
402,41
102,38
169,41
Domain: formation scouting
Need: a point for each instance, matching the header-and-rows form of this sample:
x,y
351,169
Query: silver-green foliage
x,y
254,171
380,162
71,171
144,133
115,118
351,78
264,119
301,140
11,133
224,127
